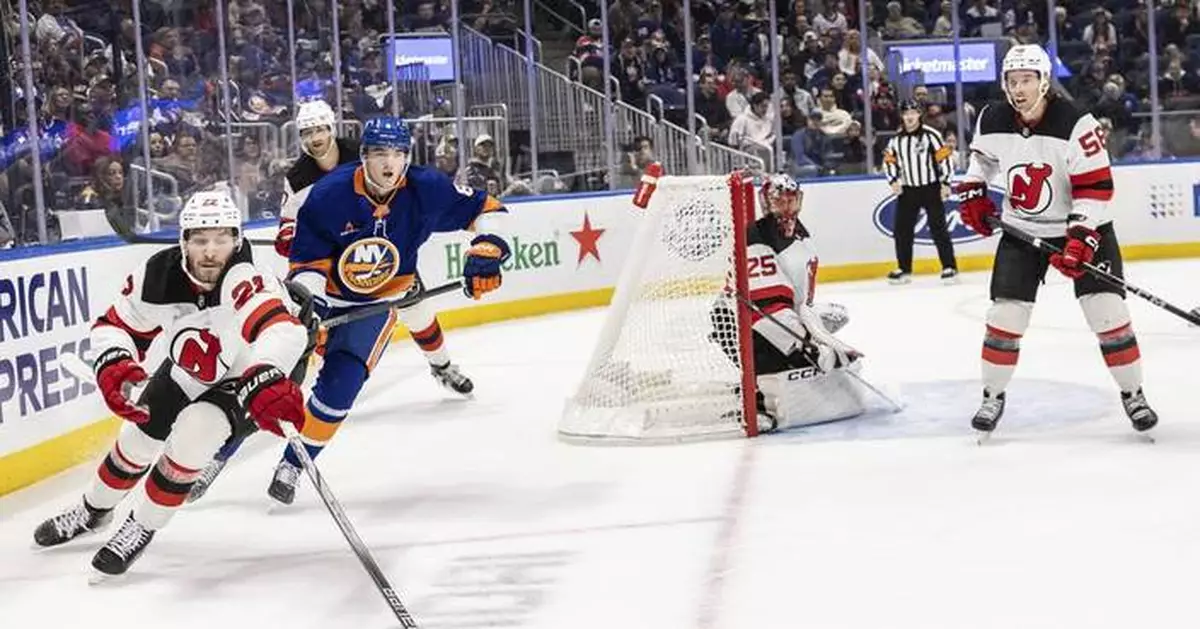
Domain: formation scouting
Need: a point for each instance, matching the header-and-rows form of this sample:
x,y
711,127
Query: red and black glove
x,y
975,206
283,240
116,374
269,398
1081,247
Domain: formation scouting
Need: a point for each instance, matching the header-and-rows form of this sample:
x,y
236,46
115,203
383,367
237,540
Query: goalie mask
x,y
210,232
781,198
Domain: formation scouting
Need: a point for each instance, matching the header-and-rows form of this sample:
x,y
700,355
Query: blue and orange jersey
x,y
336,233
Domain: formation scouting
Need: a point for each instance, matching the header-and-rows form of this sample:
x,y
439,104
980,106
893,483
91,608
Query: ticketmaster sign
x,y
977,61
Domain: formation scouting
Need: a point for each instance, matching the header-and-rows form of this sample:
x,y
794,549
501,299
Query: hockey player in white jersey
x,y
231,335
1058,185
797,368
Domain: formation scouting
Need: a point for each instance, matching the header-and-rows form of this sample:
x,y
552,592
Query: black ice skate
x,y
450,377
899,277
66,526
283,485
989,413
1143,417
206,480
950,276
123,549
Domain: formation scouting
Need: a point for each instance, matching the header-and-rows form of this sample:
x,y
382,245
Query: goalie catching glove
x,y
116,374
481,271
269,398
1082,243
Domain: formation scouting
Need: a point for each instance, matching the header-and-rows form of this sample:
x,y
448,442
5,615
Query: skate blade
x,y
1146,437
982,437
100,579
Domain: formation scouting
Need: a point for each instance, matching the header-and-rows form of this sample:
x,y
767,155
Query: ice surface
x,y
481,518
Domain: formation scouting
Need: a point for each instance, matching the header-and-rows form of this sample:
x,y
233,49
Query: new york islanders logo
x,y
1029,189
368,264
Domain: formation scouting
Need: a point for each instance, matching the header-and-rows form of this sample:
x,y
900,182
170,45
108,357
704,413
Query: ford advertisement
x,y
885,220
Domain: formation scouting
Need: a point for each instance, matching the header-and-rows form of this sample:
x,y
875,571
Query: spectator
x,y
702,53
250,167
728,38
1067,31
106,188
1139,27
590,46
1019,15
710,105
426,18
445,159
802,99
1179,25
883,101
958,159
850,56
834,121
897,25
943,26
843,92
183,162
1101,35
738,101
639,156
663,70
811,57
1176,87
630,73
854,159
831,19
8,235
158,146
752,131
623,17
979,14
1112,106
823,76
791,120
808,147
86,143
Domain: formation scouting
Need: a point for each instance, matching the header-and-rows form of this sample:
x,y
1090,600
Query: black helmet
x,y
906,105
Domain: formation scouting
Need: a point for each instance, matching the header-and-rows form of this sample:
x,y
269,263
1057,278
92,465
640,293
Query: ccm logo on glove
x,y
975,206
482,268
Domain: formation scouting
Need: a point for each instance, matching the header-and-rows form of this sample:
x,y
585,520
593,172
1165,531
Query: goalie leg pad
x,y
1108,316
126,463
1007,321
806,396
199,431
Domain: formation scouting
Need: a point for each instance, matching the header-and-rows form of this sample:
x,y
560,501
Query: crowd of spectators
x,y
1102,45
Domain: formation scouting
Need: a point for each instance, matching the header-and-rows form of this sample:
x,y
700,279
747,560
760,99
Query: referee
x,y
918,167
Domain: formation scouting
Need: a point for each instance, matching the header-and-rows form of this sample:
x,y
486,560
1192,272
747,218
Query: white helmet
x,y
1027,57
777,186
311,115
209,209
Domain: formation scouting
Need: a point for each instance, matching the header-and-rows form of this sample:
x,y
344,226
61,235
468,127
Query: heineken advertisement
x,y
526,255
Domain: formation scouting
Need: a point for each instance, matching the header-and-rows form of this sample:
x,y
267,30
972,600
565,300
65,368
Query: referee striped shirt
x,y
916,159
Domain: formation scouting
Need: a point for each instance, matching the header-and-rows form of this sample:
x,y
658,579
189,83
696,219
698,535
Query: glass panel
x,y
1178,55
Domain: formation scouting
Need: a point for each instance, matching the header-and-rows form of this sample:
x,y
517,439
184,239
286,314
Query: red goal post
x,y
674,361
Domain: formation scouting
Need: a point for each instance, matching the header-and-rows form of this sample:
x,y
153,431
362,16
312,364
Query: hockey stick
x,y
375,309
1096,272
80,368
339,516
896,408
141,239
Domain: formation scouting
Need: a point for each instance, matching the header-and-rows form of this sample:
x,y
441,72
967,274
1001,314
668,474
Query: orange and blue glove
x,y
481,271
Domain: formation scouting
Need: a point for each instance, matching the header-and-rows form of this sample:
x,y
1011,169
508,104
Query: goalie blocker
x,y
678,355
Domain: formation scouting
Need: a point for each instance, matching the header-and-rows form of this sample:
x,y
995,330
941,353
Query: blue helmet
x,y
388,132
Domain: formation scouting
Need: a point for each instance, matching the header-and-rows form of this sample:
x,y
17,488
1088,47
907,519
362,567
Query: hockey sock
x,y
1006,323
1108,316
430,341
166,489
198,432
319,428
125,464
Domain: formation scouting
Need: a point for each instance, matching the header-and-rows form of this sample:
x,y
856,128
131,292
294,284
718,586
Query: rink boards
x,y
567,254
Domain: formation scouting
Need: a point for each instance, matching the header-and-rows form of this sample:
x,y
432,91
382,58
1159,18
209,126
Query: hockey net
x,y
673,361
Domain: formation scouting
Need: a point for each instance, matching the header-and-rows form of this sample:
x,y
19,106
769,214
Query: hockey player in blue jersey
x,y
356,242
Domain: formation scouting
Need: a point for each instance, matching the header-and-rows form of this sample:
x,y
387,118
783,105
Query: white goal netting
x,y
667,365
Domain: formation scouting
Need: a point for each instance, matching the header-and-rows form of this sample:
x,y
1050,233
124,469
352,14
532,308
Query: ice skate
x,y
988,415
283,485
452,378
949,276
1143,417
899,277
123,549
206,480
66,526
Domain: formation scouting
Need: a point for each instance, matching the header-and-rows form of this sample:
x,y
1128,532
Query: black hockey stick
x,y
896,408
141,239
339,516
403,302
82,370
1096,272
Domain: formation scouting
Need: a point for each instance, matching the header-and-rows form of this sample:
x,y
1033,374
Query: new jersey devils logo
x,y
1029,187
198,352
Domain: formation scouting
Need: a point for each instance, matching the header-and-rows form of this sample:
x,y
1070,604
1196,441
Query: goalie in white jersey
x,y
231,334
1058,185
798,368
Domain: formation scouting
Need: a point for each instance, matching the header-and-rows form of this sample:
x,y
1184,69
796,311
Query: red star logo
x,y
587,238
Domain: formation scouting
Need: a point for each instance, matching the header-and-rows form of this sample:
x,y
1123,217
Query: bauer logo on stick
x,y
368,264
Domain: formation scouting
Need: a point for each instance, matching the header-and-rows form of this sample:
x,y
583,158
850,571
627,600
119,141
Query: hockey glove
x,y
283,240
1081,246
482,268
269,398
975,206
116,374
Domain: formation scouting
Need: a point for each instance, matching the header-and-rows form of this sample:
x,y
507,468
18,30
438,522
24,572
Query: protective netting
x,y
666,366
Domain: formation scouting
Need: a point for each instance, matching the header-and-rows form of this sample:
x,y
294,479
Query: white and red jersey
x,y
1056,172
209,336
299,180
782,273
